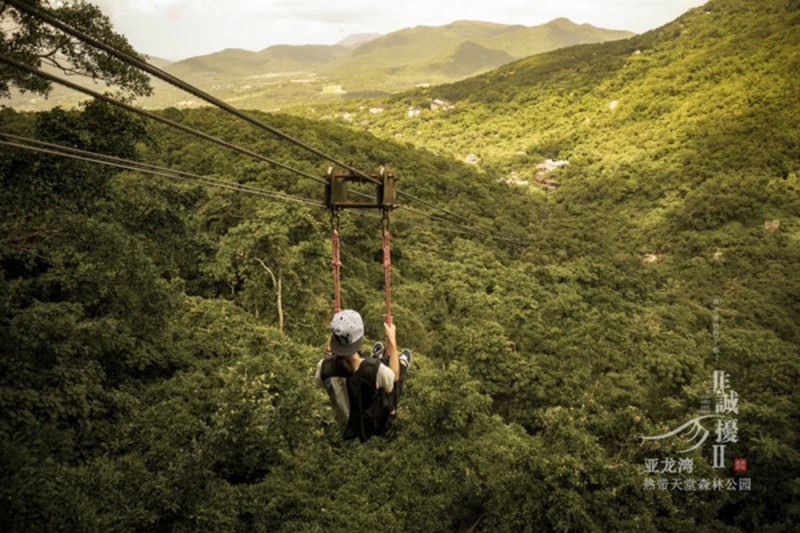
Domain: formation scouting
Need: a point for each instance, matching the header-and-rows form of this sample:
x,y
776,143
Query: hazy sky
x,y
176,29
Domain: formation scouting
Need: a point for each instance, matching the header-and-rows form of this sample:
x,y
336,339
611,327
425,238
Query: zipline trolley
x,y
385,183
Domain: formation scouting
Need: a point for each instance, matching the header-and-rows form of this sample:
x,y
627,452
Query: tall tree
x,y
27,38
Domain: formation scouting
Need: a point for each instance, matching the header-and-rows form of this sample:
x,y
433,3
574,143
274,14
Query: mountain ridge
x,y
283,75
424,42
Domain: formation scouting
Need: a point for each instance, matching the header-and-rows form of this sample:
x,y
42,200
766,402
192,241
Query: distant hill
x,y
243,63
435,54
428,45
159,62
469,57
284,75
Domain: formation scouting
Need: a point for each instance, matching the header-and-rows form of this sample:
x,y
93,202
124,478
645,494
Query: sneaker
x,y
377,350
406,356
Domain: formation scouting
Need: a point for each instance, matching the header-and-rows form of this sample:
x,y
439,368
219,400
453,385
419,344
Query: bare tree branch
x,y
278,284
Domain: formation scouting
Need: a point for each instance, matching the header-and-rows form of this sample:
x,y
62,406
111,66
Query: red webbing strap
x,y
337,264
387,265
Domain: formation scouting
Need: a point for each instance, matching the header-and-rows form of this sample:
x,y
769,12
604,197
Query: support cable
x,y
177,82
470,230
442,209
172,80
158,118
120,160
125,164
138,166
437,218
107,99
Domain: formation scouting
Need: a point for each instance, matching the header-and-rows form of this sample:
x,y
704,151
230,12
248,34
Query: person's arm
x,y
391,349
318,373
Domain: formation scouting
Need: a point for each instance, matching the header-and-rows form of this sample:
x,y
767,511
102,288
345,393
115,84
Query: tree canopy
x,y
30,40
145,384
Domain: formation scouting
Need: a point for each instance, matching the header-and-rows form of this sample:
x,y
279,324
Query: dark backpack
x,y
371,409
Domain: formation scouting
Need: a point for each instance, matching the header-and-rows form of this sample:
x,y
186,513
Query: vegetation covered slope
x,y
146,387
289,75
724,71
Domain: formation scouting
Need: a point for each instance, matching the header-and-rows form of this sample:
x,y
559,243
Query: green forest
x,y
153,376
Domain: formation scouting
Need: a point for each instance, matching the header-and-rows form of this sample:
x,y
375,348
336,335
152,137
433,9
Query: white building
x,y
442,105
549,165
333,89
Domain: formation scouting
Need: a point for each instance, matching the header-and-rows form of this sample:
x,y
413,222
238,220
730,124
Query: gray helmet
x,y
347,333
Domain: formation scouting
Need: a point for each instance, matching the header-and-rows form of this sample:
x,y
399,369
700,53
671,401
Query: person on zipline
x,y
363,388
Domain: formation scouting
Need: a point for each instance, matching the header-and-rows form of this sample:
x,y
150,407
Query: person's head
x,y
347,333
